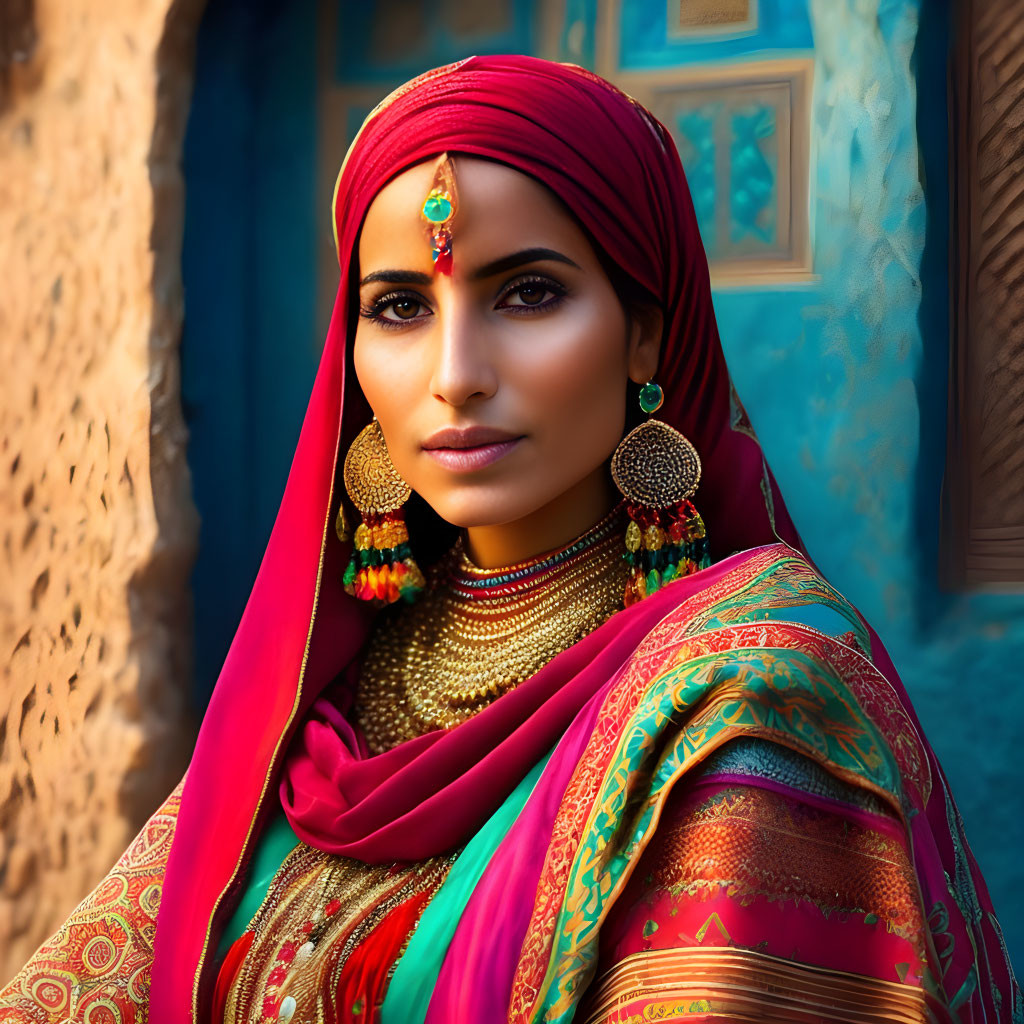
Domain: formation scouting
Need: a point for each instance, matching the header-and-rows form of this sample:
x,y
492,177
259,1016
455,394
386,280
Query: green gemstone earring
x,y
657,470
652,398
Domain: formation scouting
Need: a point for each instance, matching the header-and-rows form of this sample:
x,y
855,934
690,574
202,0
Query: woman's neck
x,y
548,528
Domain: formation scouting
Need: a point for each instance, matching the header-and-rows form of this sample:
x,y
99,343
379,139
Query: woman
x,y
556,783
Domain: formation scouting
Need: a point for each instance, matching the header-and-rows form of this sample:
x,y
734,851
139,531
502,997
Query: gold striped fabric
x,y
712,983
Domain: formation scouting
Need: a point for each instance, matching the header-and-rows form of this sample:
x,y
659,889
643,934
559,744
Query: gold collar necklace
x,y
477,633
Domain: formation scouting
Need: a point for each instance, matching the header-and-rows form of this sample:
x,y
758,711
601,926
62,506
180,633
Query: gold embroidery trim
x,y
741,984
358,897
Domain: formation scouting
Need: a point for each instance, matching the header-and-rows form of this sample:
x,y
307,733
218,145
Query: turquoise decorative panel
x,y
695,137
753,174
743,133
730,154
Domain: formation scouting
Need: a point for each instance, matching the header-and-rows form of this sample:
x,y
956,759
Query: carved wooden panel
x,y
985,477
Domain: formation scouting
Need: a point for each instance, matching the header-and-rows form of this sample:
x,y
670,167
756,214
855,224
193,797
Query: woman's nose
x,y
463,368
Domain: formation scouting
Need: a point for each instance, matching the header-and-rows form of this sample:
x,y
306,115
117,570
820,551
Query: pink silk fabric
x,y
617,170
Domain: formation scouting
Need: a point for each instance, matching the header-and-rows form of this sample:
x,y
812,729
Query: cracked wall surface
x,y
97,526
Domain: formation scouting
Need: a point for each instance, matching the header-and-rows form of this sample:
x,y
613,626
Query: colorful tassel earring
x,y
382,568
657,470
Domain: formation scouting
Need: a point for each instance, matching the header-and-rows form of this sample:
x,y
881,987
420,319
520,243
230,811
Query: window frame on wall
x,y
790,80
719,65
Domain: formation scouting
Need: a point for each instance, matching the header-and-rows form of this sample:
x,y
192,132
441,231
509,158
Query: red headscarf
x,y
616,168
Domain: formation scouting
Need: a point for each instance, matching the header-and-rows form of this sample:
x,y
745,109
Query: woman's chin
x,y
490,506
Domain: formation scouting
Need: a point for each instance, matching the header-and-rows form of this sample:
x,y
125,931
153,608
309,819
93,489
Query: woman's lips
x,y
463,450
465,460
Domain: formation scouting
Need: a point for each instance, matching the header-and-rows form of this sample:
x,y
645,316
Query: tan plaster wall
x,y
97,528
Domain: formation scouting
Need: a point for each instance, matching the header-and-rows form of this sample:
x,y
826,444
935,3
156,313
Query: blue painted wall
x,y
420,38
844,377
249,353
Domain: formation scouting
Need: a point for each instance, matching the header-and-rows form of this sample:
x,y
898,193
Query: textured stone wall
x,y
97,528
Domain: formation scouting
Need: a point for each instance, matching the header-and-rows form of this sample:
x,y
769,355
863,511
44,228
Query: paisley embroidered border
x,y
97,967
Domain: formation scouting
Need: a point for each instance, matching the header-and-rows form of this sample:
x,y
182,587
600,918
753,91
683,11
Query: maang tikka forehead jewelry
x,y
438,211
657,470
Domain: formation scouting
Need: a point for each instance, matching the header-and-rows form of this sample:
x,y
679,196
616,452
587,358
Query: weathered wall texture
x,y
96,524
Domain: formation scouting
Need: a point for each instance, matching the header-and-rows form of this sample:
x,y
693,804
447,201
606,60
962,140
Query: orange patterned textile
x,y
97,967
770,905
764,844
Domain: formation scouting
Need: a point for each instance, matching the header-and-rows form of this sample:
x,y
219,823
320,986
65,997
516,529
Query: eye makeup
x,y
538,283
376,310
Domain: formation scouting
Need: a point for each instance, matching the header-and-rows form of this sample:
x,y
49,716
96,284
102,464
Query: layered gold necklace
x,y
477,633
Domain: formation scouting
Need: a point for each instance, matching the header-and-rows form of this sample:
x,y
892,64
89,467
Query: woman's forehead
x,y
497,206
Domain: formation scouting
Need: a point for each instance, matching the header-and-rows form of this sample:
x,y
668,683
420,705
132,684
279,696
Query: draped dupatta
x,y
269,738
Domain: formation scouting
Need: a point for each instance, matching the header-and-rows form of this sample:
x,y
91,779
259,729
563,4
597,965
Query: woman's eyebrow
x,y
498,266
396,277
517,259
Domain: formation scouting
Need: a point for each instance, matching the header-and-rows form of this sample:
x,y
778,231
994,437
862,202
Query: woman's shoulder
x,y
768,649
772,584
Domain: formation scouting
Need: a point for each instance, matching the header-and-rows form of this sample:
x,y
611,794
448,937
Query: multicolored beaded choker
x,y
477,633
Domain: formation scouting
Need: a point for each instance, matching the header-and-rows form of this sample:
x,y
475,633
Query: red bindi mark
x,y
442,254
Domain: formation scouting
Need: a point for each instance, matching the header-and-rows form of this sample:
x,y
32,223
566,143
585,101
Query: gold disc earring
x,y
382,567
657,470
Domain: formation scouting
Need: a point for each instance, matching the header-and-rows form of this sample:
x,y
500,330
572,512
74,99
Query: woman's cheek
x,y
580,388
384,379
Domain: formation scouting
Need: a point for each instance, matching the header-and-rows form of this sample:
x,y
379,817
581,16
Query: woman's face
x,y
501,388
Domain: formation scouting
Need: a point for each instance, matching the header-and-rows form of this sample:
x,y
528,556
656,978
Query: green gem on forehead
x,y
437,207
651,397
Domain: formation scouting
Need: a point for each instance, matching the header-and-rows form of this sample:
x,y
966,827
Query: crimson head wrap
x,y
616,168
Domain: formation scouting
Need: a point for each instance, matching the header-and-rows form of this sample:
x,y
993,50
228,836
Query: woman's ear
x,y
646,323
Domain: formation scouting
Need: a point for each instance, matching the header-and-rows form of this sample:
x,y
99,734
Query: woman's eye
x,y
394,310
531,293
404,309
